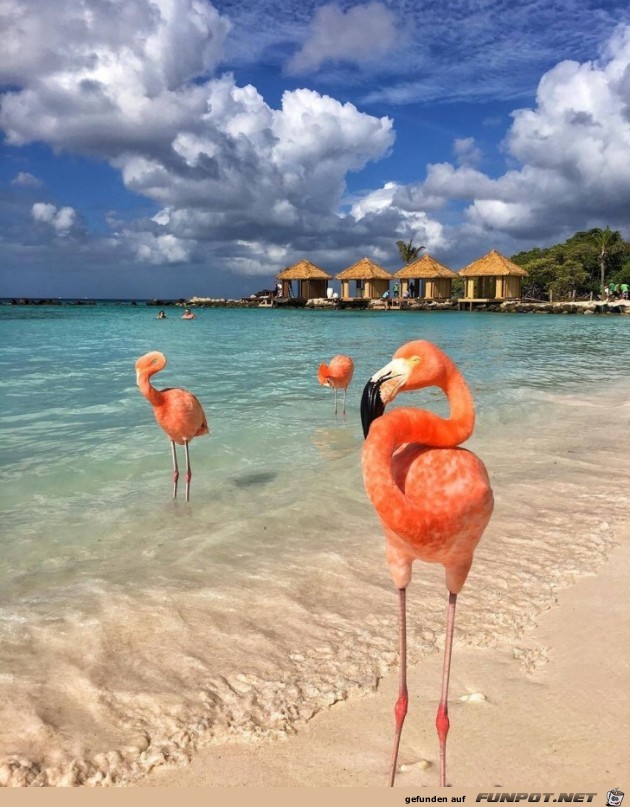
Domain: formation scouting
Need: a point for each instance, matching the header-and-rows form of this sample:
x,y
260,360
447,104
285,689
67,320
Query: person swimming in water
x,y
161,315
188,314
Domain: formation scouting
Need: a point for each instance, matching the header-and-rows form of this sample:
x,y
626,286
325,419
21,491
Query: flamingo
x,y
433,499
176,410
338,375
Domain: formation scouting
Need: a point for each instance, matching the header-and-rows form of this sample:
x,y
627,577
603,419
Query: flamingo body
x,y
432,497
176,410
338,375
180,415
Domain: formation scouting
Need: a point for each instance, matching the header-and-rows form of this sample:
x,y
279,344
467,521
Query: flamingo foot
x,y
442,724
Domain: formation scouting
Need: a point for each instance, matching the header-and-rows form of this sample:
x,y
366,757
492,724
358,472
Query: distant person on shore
x,y
161,315
624,288
395,289
188,314
412,289
612,290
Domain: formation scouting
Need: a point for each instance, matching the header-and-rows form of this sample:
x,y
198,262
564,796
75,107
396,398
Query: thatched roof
x,y
365,269
303,270
493,264
425,267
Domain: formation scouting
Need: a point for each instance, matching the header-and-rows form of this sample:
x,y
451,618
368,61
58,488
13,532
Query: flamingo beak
x,y
380,390
372,406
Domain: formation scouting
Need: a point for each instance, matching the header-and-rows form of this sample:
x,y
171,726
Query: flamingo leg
x,y
335,388
188,471
344,400
400,709
441,721
175,469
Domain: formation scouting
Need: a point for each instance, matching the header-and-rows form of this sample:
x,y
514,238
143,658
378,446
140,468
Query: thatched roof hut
x,y
493,277
371,279
432,279
311,280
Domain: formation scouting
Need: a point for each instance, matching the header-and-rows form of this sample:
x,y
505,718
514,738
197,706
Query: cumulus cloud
x,y
63,220
570,156
212,153
250,184
466,151
362,34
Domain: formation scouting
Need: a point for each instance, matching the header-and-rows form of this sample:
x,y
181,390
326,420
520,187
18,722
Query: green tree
x,y
579,266
408,252
608,242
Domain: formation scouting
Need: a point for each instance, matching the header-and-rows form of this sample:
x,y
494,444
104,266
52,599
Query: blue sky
x,y
165,148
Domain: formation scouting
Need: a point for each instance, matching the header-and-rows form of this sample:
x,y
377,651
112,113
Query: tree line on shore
x,y
584,264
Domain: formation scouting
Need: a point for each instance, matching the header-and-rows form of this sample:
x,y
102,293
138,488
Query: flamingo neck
x,y
154,396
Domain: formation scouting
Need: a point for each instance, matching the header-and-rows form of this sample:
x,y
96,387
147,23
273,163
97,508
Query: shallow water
x,y
134,628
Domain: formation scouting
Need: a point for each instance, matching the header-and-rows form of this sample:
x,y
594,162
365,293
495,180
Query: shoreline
x,y
536,712
583,307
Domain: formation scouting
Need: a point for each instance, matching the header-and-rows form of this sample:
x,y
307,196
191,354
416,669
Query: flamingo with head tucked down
x,y
176,410
433,498
338,375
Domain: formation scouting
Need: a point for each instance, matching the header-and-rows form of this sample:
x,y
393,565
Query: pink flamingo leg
x,y
344,400
335,388
188,471
175,469
400,709
441,721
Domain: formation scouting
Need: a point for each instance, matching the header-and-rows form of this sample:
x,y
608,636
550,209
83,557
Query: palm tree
x,y
408,252
607,242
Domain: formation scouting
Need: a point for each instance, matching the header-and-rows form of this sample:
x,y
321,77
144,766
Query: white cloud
x,y
362,34
62,219
26,180
570,154
466,151
161,249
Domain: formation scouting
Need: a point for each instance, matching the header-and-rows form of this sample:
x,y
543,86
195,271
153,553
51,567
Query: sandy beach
x,y
556,712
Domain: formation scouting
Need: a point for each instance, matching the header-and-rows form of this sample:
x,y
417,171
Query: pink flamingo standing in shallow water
x,y
434,499
338,375
176,410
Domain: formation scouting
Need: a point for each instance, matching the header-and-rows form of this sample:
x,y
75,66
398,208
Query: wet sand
x,y
556,712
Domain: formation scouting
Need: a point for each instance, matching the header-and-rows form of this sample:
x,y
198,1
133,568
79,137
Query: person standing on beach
x,y
624,291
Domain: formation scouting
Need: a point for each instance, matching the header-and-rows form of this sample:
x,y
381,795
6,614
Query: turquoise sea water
x,y
130,623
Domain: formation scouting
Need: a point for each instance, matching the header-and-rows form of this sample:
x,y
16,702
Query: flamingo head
x,y
322,375
414,366
149,364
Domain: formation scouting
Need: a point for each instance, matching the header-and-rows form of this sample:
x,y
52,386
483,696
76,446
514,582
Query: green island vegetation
x,y
583,265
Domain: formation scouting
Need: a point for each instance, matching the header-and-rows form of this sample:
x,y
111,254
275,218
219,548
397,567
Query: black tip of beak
x,y
372,406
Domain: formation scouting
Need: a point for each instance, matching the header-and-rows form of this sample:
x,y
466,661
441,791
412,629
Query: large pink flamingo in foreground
x,y
434,499
176,410
338,375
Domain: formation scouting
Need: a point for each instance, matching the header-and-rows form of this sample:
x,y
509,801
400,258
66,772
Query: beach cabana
x,y
371,280
431,279
493,277
311,281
